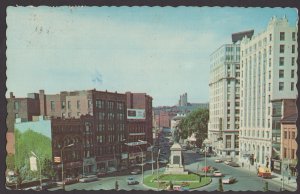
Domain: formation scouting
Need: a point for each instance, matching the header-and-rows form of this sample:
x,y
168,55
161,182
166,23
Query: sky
x,y
161,51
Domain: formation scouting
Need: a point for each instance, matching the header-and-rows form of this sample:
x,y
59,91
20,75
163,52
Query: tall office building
x,y
268,75
224,97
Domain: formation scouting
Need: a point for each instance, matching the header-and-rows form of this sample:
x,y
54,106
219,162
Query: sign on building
x,y
57,159
32,161
136,114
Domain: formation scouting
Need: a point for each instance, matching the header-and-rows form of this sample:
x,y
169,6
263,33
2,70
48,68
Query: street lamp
x,y
40,168
62,164
157,165
151,154
142,163
205,162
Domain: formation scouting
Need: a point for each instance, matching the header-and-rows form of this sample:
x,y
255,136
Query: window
x,y
281,73
281,48
270,50
284,152
16,115
281,86
269,74
69,104
293,154
285,135
100,103
293,48
281,35
63,104
281,61
90,104
293,36
78,104
269,88
236,141
293,61
52,105
16,105
292,73
293,135
228,141
270,37
270,62
292,86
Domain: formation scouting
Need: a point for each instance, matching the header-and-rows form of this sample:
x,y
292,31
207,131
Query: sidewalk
x,y
290,185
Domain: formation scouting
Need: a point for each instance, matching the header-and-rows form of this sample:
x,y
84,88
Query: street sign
x,y
33,166
57,159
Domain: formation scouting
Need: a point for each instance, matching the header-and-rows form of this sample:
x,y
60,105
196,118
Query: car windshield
x,y
130,178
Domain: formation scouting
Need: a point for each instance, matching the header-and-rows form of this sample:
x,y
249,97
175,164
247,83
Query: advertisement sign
x,y
57,159
34,136
136,114
32,161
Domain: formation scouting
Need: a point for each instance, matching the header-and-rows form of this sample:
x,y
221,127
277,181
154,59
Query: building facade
x,y
268,74
224,100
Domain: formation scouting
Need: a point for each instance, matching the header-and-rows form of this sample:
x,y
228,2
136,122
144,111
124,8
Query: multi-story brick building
x,y
289,145
268,67
139,125
22,108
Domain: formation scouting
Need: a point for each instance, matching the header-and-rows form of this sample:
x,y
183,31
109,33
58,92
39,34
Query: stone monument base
x,y
175,169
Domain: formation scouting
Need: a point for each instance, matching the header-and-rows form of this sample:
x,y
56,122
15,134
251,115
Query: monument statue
x,y
176,161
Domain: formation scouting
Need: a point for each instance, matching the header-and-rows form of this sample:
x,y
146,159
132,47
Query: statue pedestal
x,y
175,166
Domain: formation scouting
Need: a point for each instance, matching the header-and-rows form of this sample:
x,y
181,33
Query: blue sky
x,y
161,51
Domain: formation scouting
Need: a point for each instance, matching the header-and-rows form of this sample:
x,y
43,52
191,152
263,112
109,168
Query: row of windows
x,y
281,73
110,105
111,127
111,116
291,154
289,135
281,86
282,36
255,134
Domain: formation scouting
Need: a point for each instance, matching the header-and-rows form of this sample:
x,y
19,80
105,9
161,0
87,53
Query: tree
x,y
171,185
196,122
220,185
47,169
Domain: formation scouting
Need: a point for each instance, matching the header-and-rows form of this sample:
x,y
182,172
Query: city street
x,y
246,181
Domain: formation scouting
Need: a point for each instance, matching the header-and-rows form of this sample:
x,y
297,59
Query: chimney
x,y
42,102
11,95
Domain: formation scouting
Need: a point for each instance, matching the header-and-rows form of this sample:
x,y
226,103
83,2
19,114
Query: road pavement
x,y
246,180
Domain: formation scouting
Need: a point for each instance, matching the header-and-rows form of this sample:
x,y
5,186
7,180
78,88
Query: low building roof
x,y
290,119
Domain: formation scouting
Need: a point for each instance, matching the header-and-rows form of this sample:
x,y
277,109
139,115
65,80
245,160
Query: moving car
x,y
227,161
132,181
89,178
217,174
264,172
218,160
135,171
233,164
228,180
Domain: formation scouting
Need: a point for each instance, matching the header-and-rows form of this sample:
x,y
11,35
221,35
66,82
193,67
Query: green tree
x,y
220,185
47,169
196,122
171,185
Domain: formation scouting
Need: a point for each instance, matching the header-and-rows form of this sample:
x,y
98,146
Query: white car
x,y
218,160
227,162
217,174
228,180
89,178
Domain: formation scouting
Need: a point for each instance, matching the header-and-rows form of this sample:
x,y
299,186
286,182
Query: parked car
x,y
227,161
233,164
89,178
132,181
135,171
101,174
228,180
69,181
218,160
208,168
217,174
